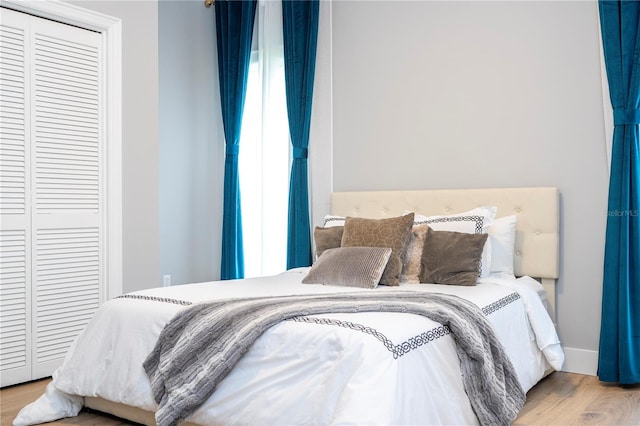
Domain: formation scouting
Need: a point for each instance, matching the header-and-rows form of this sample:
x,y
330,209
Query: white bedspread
x,y
307,372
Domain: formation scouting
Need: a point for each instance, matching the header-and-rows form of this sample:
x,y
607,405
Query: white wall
x,y
481,94
191,143
139,137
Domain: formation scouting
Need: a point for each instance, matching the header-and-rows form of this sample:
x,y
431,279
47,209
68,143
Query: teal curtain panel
x,y
619,355
234,29
300,30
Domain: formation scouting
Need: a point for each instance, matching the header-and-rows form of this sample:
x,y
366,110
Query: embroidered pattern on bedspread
x,y
499,304
397,350
155,299
413,342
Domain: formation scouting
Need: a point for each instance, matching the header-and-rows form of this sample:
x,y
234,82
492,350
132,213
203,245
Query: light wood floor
x,y
560,399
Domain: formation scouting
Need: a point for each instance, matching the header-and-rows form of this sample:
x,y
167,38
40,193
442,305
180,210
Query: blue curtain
x,y
234,28
619,356
300,30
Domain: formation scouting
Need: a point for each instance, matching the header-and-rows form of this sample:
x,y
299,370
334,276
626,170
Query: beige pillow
x,y
327,238
451,257
349,266
411,261
393,233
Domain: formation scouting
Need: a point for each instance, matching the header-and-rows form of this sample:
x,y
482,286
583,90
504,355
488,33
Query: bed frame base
x,y
133,414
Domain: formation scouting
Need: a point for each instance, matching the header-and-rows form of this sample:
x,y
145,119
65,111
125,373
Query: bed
x,y
365,367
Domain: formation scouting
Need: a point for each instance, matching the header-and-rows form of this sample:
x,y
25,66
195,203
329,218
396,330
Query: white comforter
x,y
306,372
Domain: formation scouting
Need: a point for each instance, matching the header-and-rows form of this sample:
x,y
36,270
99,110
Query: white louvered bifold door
x,y
15,211
65,191
63,157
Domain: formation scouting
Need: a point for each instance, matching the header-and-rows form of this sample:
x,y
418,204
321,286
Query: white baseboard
x,y
580,361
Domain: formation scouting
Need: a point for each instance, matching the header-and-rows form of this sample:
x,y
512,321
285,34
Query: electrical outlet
x,y
166,280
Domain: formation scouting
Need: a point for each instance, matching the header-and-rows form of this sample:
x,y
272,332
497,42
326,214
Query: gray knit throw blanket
x,y
201,344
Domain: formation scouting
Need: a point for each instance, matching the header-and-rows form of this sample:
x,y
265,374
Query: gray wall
x,y
191,143
428,94
172,191
481,94
320,136
139,138
191,139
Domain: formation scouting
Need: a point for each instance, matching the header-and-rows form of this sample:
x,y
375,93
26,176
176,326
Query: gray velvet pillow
x,y
327,238
393,233
349,267
451,257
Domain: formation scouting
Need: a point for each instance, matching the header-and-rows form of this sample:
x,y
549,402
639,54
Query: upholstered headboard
x,y
537,231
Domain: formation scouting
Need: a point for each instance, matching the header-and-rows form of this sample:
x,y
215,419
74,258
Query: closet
x,y
52,185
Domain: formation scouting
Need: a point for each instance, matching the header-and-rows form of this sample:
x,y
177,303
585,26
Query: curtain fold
x,y
619,352
300,30
234,28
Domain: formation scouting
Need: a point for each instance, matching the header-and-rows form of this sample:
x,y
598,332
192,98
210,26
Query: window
x,y
264,159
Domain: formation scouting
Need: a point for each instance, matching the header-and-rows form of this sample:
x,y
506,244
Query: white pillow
x,y
331,220
503,241
475,221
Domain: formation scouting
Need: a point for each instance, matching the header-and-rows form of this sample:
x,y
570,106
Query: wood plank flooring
x,y
560,399
574,399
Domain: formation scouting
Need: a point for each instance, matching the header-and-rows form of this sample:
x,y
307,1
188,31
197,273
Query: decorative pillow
x,y
451,257
502,235
327,238
392,232
350,267
411,262
475,221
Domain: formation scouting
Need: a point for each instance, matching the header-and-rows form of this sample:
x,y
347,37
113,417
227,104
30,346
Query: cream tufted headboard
x,y
537,231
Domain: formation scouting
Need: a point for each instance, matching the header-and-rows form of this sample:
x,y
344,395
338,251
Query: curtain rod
x,y
208,3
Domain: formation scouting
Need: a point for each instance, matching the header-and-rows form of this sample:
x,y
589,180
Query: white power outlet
x,y
166,280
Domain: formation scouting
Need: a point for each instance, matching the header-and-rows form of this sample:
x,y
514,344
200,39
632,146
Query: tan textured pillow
x,y
327,238
393,233
349,266
411,261
451,257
